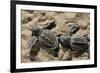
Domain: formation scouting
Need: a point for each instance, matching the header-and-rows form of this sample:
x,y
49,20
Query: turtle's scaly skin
x,y
78,43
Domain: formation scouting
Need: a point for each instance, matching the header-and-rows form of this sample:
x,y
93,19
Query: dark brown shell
x,y
48,40
78,43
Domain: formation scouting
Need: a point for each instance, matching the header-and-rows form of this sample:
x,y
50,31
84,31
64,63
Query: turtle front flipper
x,y
34,47
72,28
34,51
32,42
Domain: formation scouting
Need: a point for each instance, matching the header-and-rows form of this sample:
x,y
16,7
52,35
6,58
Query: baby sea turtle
x,y
45,37
42,38
75,43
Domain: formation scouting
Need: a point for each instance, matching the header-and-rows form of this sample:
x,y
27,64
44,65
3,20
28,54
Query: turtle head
x,y
36,31
65,41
